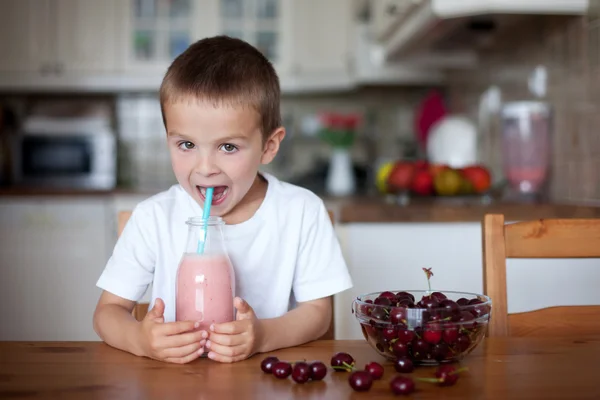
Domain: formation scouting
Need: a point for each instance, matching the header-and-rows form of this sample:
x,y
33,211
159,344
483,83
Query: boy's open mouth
x,y
219,193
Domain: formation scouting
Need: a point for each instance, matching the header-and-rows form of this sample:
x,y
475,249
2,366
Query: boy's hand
x,y
237,340
174,342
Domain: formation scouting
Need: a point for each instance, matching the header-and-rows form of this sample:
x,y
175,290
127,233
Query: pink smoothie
x,y
204,290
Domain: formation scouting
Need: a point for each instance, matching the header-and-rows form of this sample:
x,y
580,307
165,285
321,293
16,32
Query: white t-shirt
x,y
286,253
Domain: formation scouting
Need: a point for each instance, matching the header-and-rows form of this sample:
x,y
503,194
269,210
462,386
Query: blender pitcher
x,y
205,276
526,145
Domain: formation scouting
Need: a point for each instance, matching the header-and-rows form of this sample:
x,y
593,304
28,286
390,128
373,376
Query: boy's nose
x,y
206,167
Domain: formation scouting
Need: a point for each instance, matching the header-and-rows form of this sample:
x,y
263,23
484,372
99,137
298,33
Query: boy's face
x,y
220,147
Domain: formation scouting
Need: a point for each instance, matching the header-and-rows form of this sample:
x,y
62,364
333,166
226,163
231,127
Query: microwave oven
x,y
78,153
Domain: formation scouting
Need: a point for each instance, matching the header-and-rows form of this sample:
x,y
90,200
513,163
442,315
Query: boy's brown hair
x,y
225,70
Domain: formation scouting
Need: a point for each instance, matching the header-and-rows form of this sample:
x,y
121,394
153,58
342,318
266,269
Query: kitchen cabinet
x,y
157,31
53,251
391,257
53,37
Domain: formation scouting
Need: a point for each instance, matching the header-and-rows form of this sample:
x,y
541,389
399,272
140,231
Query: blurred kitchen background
x,y
81,134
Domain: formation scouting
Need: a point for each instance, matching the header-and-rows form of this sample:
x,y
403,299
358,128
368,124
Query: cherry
x,y
404,365
301,372
282,369
450,334
398,316
406,302
462,301
464,319
432,334
440,351
382,301
420,348
267,364
389,295
402,295
360,381
445,375
463,342
399,349
450,306
318,370
428,302
366,310
342,362
402,385
389,333
378,313
405,336
439,296
375,369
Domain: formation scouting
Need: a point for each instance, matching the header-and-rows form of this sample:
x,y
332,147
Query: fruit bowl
x,y
427,327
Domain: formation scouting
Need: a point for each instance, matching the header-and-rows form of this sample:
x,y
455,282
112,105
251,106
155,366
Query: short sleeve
x,y
130,269
321,270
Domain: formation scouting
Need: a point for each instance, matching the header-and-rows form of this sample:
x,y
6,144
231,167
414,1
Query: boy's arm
x,y
115,324
308,321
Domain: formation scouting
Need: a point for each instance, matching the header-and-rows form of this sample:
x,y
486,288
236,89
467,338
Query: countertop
x,y
378,210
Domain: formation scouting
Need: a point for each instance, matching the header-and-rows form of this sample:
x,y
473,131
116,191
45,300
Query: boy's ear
x,y
272,144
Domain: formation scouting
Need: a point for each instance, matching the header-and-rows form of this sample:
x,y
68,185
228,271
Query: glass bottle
x,y
205,276
526,151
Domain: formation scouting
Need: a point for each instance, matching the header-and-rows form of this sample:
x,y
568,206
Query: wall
x,y
570,50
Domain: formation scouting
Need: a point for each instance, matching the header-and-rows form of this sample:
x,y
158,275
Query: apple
x,y
479,177
422,183
401,175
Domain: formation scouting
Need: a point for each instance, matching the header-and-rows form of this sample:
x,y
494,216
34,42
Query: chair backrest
x,y
140,309
544,238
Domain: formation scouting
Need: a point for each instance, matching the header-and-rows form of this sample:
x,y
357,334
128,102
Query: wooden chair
x,y
141,309
545,238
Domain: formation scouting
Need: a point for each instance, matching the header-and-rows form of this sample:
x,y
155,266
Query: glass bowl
x,y
428,327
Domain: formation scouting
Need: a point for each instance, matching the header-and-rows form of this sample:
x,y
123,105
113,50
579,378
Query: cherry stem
x,y
348,366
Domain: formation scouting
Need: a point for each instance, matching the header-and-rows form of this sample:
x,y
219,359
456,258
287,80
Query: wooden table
x,y
515,368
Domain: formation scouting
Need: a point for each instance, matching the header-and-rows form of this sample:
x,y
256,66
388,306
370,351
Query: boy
x,y
220,106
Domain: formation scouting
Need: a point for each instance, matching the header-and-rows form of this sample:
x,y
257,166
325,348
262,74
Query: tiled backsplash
x,y
388,111
569,48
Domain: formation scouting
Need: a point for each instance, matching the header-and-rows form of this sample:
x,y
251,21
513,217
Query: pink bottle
x,y
526,143
205,276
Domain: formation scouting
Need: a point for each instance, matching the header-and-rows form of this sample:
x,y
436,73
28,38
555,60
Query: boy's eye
x,y
228,148
186,145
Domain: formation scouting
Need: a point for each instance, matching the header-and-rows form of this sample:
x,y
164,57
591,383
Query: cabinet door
x,y
87,34
265,24
321,36
24,35
157,31
53,252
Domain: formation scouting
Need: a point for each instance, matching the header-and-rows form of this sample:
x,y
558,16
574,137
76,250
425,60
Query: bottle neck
x,y
205,237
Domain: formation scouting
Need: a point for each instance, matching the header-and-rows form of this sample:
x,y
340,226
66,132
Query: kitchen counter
x,y
369,209
378,210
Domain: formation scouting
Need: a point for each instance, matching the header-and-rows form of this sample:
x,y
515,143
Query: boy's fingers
x,y
175,328
227,340
228,328
183,351
182,339
226,351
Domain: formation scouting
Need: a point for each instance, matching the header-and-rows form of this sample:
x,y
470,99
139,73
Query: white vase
x,y
340,177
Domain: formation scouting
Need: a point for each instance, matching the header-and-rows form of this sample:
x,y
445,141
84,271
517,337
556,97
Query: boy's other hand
x,y
235,341
174,342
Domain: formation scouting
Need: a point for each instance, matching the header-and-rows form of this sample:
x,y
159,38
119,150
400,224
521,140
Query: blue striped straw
x,y
205,215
